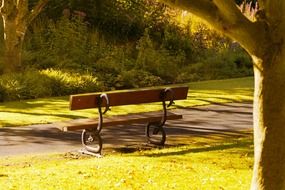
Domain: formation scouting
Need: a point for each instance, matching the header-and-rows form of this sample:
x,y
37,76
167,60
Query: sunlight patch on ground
x,y
49,110
202,163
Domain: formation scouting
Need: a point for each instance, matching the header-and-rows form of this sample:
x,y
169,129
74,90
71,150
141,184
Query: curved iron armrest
x,y
105,96
107,108
156,128
91,138
164,94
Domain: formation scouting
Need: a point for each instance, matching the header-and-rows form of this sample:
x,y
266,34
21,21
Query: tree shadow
x,y
36,135
195,124
65,116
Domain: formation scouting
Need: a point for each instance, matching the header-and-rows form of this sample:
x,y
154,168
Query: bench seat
x,y
137,118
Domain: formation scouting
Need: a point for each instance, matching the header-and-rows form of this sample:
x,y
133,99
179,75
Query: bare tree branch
x,y
22,13
8,7
274,10
225,16
36,10
261,3
20,3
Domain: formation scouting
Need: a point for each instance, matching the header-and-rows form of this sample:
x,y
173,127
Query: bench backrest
x,y
126,97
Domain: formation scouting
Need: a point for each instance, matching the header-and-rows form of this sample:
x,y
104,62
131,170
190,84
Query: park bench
x,y
155,133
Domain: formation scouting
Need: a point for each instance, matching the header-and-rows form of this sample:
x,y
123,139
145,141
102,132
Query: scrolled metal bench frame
x,y
154,128
90,138
92,141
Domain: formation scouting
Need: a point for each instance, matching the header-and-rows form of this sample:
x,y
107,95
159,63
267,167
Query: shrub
x,y
26,85
175,40
2,93
161,62
227,64
137,78
65,83
192,72
35,84
64,44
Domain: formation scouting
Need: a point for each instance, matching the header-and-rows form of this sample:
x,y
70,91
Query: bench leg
x,y
91,140
155,133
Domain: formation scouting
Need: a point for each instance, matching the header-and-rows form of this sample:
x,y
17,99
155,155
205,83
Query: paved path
x,y
203,120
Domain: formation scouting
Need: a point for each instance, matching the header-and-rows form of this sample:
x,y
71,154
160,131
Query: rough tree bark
x,y
264,41
16,18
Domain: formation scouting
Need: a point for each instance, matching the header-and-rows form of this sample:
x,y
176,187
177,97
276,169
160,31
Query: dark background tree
x,y
16,17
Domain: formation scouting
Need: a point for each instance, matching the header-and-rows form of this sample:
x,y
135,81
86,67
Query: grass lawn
x,y
212,163
216,162
48,110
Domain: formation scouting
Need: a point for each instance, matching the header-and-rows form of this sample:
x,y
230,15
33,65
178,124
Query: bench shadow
x,y
209,148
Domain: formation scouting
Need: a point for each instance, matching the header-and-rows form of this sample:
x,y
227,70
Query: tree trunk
x,y
269,123
16,17
13,40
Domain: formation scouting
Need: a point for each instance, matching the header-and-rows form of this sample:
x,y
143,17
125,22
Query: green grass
x,y
48,110
214,163
195,163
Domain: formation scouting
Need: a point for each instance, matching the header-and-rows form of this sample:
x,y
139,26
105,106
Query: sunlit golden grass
x,y
48,110
209,163
195,163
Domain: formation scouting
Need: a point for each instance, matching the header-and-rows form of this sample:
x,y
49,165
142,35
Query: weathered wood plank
x,y
85,101
78,124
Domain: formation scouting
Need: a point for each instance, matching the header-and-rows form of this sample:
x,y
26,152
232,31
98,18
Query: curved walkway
x,y
227,119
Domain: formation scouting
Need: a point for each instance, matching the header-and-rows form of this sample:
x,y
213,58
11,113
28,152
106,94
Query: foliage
x,y
168,46
158,62
176,41
136,78
45,83
62,44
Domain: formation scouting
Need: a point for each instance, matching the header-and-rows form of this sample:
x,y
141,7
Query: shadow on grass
x,y
226,125
36,103
25,136
65,116
208,108
239,144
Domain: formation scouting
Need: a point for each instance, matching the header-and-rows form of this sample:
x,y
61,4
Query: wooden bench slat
x,y
78,124
85,101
